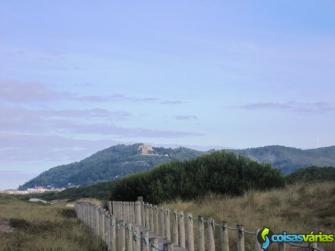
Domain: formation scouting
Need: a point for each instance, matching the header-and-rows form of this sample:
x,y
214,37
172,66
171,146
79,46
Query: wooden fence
x,y
139,226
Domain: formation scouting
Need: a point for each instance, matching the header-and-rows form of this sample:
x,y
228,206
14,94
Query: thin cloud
x,y
312,107
116,97
171,102
19,92
19,113
186,117
14,91
19,147
78,122
109,129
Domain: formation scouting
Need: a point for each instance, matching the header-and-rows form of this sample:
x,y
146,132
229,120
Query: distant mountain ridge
x,y
110,164
122,160
288,159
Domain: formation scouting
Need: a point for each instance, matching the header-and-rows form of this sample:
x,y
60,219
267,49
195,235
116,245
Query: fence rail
x,y
140,226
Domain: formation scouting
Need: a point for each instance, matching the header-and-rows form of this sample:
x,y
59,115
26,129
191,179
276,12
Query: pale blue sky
x,y
78,76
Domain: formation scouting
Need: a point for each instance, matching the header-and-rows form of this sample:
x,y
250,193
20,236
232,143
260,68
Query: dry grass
x,y
43,227
296,208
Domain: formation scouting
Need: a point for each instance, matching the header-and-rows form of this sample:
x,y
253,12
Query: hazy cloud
x,y
312,107
18,119
186,117
171,102
46,147
19,92
14,91
34,121
110,129
121,97
19,112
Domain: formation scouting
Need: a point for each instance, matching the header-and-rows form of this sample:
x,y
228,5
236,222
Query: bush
x,y
311,174
218,172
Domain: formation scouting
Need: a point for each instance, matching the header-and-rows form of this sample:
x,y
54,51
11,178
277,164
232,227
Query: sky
x,y
79,76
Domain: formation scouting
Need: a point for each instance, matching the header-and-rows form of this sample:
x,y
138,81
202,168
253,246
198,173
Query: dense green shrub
x,y
310,174
218,172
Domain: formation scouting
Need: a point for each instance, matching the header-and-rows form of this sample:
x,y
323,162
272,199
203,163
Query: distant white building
x,y
145,149
32,190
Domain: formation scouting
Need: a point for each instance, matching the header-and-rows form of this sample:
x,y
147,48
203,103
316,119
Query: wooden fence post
x,y
134,209
240,241
138,217
112,233
129,237
143,213
129,212
189,230
92,224
224,237
110,207
120,210
106,220
167,225
137,239
181,230
123,235
97,219
147,216
161,222
123,210
314,246
140,199
113,208
175,234
154,245
107,227
151,220
201,237
116,213
169,246
156,220
102,223
281,246
145,244
211,229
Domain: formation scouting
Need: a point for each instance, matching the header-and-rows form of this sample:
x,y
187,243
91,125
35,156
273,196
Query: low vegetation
x,y
218,172
312,174
99,191
104,189
35,227
296,208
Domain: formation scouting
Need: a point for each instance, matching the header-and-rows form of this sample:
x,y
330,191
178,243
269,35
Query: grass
x,y
38,227
295,208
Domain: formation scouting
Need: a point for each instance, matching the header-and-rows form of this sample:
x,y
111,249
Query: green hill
x,y
122,160
109,164
288,159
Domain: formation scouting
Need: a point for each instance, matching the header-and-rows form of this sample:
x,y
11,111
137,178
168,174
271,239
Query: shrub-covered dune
x,y
218,172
